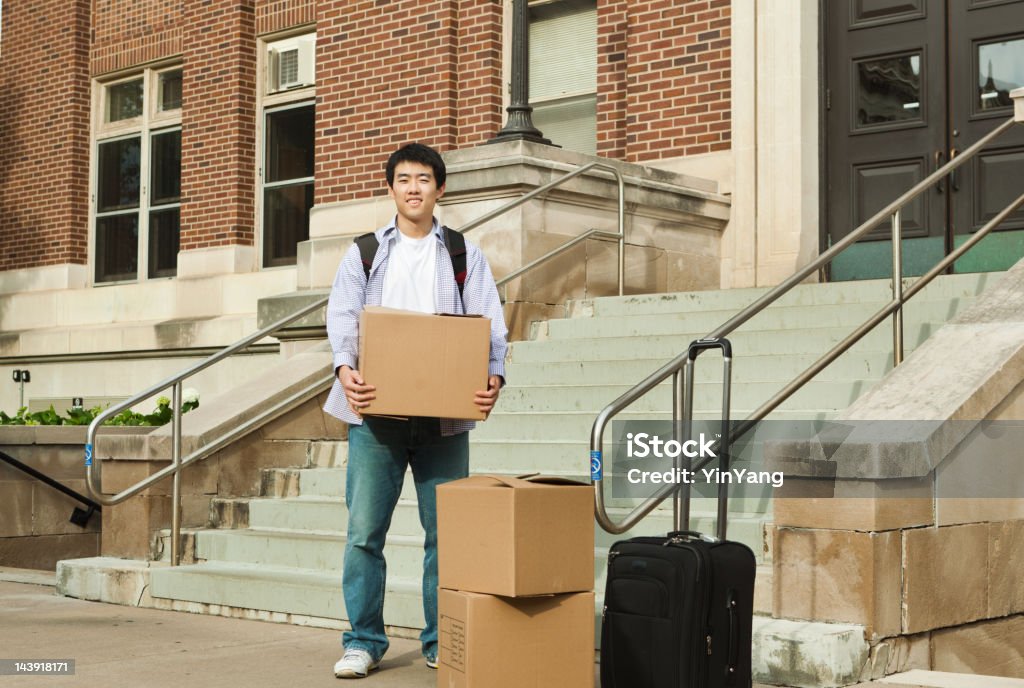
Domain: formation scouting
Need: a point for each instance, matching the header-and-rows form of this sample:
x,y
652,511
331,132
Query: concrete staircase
x,y
284,552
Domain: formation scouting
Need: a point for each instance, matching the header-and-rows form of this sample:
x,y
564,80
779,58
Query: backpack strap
x,y
368,245
454,242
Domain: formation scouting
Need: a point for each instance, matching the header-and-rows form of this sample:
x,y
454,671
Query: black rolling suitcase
x,y
678,610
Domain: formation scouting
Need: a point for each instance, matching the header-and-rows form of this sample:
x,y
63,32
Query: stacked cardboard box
x,y
516,572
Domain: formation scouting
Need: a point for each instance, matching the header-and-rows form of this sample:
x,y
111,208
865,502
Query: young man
x,y
411,270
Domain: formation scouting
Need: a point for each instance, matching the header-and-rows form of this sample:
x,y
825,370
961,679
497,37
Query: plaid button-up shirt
x,y
352,291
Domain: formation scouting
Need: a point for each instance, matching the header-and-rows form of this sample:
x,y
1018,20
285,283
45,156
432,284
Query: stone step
x,y
276,589
946,286
319,551
279,525
328,514
686,322
576,425
771,368
919,678
327,485
745,343
828,394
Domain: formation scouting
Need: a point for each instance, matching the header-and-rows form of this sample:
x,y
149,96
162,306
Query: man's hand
x,y
486,400
357,392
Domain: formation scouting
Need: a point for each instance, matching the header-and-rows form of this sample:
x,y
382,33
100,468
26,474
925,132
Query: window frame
x,y
568,97
144,127
273,101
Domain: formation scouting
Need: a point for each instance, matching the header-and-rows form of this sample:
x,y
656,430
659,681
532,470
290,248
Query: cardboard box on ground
x,y
424,365
516,571
511,642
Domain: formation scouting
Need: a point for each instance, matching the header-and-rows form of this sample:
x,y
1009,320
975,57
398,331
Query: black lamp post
x,y
519,126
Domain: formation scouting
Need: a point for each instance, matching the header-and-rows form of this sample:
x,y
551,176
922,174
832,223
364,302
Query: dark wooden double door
x,y
908,84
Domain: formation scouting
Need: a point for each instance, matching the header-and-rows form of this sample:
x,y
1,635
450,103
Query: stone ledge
x,y
958,377
918,678
806,654
106,579
520,166
216,416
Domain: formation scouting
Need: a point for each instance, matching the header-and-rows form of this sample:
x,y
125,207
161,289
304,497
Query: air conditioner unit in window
x,y
291,66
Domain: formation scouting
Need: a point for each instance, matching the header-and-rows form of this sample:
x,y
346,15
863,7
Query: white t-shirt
x,y
411,273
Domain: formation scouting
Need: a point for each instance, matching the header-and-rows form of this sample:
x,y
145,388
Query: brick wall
x,y
215,41
218,125
480,113
279,15
385,76
127,33
44,133
387,73
664,78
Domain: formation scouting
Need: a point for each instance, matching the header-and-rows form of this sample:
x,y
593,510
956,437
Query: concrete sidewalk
x,y
128,647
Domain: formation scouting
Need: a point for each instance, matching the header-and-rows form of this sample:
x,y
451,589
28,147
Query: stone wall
x,y
35,531
917,532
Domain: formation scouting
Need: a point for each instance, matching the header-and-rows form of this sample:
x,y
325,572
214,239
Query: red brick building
x,y
135,130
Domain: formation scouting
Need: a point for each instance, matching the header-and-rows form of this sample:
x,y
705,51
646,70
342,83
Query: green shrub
x,y
161,415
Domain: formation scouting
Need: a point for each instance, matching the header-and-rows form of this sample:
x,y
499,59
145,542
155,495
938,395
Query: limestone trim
x,y
217,260
45,278
776,150
961,375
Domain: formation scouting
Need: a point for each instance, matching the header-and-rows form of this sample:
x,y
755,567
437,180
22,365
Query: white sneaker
x,y
355,663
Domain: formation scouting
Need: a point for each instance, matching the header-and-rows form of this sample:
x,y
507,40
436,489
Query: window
x,y
138,177
287,182
563,72
288,134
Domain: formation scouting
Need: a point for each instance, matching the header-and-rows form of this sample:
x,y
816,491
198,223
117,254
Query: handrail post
x,y
176,458
622,229
897,288
677,435
682,521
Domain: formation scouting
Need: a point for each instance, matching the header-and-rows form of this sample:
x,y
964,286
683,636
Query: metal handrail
x,y
621,235
673,367
175,381
503,282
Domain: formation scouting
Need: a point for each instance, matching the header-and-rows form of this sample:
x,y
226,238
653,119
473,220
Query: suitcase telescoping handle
x,y
682,505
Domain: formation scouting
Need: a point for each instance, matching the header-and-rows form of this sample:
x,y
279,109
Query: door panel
x,y
873,12
886,117
910,83
874,183
986,63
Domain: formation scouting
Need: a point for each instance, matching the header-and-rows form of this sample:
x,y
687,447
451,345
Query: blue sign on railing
x,y
88,455
595,465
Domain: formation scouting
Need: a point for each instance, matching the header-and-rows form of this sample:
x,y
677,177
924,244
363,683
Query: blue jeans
x,y
379,451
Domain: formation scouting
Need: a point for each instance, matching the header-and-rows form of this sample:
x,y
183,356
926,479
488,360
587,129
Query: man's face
x,y
415,191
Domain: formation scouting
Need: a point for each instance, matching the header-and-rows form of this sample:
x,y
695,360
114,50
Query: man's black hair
x,y
417,152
